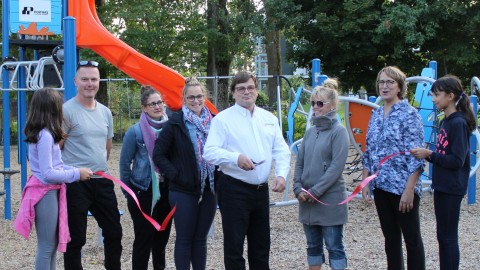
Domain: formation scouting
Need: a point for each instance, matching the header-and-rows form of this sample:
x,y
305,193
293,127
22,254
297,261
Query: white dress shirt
x,y
236,131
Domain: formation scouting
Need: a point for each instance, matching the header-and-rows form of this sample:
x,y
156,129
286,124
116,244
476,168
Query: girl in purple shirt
x,y
43,199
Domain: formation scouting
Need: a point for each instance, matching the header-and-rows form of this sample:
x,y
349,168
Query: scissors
x,y
258,163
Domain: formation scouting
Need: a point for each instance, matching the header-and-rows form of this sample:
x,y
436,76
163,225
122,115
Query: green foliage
x,y
14,127
262,99
300,125
171,32
124,100
355,38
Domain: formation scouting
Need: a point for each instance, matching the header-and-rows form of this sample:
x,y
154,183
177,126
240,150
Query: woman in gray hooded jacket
x,y
318,177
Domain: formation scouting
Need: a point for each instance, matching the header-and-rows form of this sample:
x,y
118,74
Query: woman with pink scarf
x,y
139,173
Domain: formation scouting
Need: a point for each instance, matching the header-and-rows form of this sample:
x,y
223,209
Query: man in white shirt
x,y
243,140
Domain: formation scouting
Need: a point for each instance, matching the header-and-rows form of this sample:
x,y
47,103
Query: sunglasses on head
x,y
87,64
318,103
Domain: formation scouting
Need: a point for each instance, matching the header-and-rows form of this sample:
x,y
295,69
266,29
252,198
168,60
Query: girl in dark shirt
x,y
451,164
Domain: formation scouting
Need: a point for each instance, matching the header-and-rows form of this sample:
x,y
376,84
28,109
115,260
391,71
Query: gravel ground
x,y
363,237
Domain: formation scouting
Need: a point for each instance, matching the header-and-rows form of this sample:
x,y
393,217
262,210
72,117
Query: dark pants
x,y
395,223
193,220
447,213
98,197
147,238
245,212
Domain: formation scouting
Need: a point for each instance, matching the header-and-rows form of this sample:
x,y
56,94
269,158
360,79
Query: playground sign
x,y
36,17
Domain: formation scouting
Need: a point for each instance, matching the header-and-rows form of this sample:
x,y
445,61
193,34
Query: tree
x,y
355,38
230,25
170,32
341,34
455,43
272,32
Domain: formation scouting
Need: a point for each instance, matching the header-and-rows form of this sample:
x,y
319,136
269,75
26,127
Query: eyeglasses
x,y
387,82
155,104
87,64
318,103
242,89
198,97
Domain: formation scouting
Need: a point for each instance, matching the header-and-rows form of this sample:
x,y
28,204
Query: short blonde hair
x,y
331,83
327,94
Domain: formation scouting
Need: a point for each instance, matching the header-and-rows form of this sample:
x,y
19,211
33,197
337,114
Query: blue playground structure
x,y
33,26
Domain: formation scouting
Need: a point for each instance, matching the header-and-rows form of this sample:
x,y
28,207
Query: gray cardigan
x,y
319,169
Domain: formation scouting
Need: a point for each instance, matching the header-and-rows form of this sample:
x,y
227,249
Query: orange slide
x,y
93,35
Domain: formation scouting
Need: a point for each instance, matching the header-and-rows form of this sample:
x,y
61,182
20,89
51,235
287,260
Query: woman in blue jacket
x,y
139,173
178,153
451,164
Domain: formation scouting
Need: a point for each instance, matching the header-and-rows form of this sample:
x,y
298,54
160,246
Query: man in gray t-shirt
x,y
89,129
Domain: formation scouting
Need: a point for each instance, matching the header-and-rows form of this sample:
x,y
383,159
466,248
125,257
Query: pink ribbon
x,y
362,184
155,224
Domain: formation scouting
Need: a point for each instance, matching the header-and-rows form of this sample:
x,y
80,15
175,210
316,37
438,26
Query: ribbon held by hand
x,y
362,184
155,224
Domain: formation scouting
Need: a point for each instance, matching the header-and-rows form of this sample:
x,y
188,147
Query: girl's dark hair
x,y
146,91
452,84
45,112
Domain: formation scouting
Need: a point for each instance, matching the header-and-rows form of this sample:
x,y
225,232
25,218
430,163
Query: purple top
x,y
46,161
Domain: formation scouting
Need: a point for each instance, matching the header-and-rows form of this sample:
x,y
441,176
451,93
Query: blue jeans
x,y
447,213
333,237
193,220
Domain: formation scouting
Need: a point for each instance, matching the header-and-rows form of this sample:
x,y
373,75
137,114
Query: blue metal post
x,y
433,66
64,9
22,119
472,181
316,72
70,62
322,78
6,106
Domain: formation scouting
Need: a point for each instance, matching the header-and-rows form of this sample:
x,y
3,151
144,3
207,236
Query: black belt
x,y
244,184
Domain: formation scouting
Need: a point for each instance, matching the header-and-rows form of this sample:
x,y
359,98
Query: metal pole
x,y
70,63
316,71
6,107
433,65
279,103
472,181
22,119
215,91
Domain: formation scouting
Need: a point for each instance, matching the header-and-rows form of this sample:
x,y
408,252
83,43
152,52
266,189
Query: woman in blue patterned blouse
x,y
396,127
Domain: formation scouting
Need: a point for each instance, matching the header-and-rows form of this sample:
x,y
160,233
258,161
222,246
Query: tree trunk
x,y
102,94
219,57
272,46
